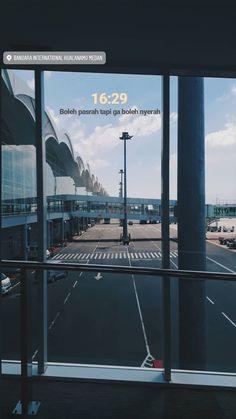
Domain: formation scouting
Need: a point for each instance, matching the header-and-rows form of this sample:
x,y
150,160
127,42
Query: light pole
x,y
121,172
125,238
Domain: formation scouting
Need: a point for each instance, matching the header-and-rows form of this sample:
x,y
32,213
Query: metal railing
x,y
28,369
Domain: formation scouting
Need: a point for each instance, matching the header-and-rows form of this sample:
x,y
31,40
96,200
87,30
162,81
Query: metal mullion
x,y
1,241
41,217
26,406
26,352
165,222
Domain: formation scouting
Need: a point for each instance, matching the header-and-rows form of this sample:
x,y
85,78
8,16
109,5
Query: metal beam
x,y
41,216
165,221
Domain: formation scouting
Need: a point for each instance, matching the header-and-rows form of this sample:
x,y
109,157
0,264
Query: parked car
x,y
232,244
230,241
130,222
5,284
222,240
213,229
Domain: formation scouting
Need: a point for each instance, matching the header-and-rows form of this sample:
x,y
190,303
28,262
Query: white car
x,y
5,284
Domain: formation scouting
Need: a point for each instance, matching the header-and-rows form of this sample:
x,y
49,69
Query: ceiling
x,y
151,36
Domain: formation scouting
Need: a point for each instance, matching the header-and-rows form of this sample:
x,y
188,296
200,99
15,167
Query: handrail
x,y
167,376
182,274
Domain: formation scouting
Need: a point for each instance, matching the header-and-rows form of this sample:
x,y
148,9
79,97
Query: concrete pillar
x,y
191,222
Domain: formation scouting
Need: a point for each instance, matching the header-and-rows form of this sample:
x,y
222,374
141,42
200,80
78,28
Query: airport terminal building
x,y
65,172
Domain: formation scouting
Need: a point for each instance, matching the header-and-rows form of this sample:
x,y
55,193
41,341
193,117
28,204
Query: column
x,y
191,221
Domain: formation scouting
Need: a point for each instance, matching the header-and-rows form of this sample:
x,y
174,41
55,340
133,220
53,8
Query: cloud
x,y
106,137
173,117
127,117
233,90
98,164
67,123
48,74
30,83
227,96
222,138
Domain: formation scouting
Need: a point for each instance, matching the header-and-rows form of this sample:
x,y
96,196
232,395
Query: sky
x,y
96,137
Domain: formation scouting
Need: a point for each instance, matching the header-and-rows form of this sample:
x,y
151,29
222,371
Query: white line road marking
x,y
14,286
149,257
88,255
67,256
67,297
81,273
80,255
145,257
34,355
99,257
141,317
54,320
222,266
140,312
147,361
95,256
212,302
176,266
75,284
228,319
98,276
116,256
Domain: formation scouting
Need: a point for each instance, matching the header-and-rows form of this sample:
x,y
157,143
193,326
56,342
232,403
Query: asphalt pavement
x,y
115,319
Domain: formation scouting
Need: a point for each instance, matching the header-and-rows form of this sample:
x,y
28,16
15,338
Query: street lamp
x,y
125,238
121,172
